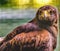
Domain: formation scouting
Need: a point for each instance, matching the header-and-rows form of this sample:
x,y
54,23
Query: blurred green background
x,y
17,12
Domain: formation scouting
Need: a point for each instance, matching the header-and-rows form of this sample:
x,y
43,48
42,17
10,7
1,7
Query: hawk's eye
x,y
40,12
52,12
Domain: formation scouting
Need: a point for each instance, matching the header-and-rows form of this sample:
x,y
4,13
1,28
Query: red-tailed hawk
x,y
40,34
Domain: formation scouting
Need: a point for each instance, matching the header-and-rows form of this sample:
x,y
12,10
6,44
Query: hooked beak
x,y
45,15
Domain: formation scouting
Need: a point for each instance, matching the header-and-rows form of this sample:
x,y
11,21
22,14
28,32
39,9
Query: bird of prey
x,y
39,34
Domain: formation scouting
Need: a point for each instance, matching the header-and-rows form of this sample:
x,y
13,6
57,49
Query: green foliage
x,y
3,2
16,4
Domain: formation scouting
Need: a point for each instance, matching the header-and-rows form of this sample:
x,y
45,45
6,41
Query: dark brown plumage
x,y
40,34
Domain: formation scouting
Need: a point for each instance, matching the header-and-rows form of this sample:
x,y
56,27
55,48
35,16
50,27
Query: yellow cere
x,y
46,13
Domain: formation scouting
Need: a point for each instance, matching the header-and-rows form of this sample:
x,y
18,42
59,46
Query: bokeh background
x,y
17,12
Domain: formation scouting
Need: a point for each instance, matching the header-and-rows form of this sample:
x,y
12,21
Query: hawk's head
x,y
47,15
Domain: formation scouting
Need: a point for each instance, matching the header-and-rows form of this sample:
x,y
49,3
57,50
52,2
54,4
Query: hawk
x,y
39,34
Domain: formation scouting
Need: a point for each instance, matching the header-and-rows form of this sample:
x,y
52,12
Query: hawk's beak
x,y
45,14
